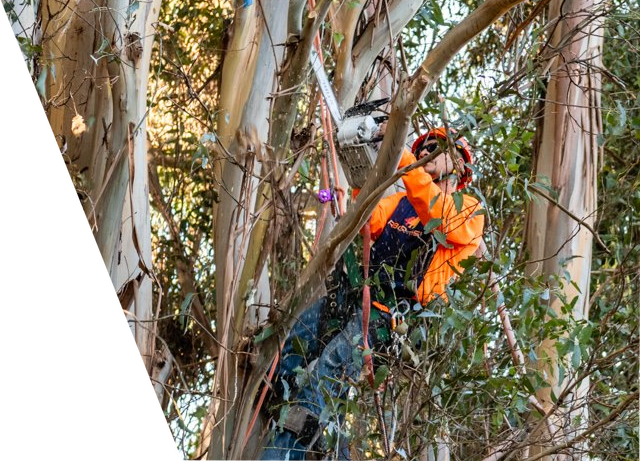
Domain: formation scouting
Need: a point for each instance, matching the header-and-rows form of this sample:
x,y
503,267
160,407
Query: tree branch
x,y
580,221
582,436
185,276
372,42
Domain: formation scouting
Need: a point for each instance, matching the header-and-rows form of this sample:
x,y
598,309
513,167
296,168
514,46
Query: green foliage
x,y
482,394
457,374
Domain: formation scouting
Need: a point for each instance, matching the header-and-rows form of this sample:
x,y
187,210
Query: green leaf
x,y
303,169
434,200
41,83
437,13
284,412
264,334
457,200
576,357
623,115
6,8
545,295
432,224
381,374
29,49
441,239
469,262
509,187
103,46
185,309
338,37
133,7
300,345
286,391
208,137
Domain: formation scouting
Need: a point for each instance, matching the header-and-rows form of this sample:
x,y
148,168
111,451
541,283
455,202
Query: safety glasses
x,y
430,145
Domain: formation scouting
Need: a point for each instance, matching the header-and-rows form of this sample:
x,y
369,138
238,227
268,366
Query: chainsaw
x,y
356,130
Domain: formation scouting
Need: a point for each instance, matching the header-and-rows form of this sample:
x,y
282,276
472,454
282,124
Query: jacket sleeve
x,y
387,205
382,212
460,227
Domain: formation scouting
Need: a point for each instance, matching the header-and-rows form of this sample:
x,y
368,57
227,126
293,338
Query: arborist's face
x,y
440,166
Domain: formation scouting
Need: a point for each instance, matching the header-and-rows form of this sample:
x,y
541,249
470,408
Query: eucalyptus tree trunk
x,y
96,236
16,183
249,78
558,236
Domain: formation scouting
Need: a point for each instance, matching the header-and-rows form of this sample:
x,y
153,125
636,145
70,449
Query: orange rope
x,y
265,388
328,136
366,300
325,179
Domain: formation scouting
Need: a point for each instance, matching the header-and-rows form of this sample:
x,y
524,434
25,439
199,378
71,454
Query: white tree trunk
x,y
137,368
249,77
568,158
97,214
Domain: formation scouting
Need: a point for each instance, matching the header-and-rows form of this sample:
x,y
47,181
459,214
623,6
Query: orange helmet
x,y
461,145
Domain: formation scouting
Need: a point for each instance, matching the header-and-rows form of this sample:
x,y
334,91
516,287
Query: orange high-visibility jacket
x,y
463,229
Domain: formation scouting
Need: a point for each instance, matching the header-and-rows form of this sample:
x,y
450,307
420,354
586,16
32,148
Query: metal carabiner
x,y
401,309
406,307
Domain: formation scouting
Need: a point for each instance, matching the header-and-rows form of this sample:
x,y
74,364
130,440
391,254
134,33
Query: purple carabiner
x,y
324,195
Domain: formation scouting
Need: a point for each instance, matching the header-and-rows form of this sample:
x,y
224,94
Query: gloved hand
x,y
407,159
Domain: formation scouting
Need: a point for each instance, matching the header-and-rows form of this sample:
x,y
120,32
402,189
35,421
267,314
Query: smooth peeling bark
x,y
71,164
99,67
237,238
567,157
240,59
371,43
344,23
136,358
238,69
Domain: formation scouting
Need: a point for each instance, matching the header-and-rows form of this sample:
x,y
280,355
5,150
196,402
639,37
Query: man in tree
x,y
421,235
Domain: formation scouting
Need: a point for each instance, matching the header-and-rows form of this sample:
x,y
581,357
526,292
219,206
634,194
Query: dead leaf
x,y
78,126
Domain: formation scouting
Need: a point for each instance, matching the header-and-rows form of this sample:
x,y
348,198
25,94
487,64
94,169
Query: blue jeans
x,y
340,359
